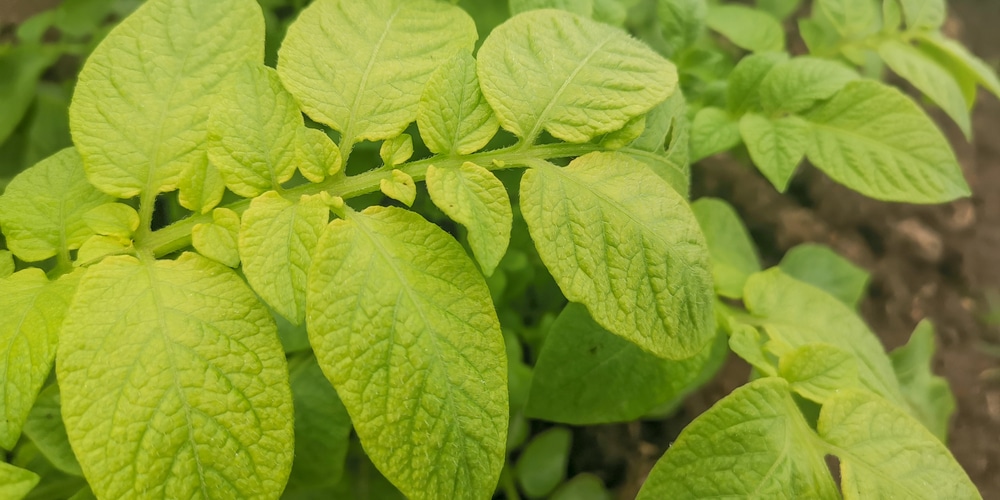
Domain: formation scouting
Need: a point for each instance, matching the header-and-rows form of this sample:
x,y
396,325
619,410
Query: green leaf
x,y
359,67
542,464
823,268
797,84
277,240
745,341
112,219
795,314
752,444
163,66
453,115
713,131
218,240
41,211
404,327
252,131
15,482
733,255
400,187
930,78
625,135
776,146
316,155
874,140
853,19
924,14
583,486
581,7
396,150
962,63
747,28
780,9
33,311
929,395
6,263
322,426
682,21
473,197
20,69
818,371
174,384
586,375
575,78
666,126
619,240
885,453
742,91
46,430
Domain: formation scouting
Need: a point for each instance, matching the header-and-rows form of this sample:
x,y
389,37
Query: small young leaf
x,y
596,77
930,78
924,14
586,375
752,444
818,371
851,18
580,7
316,154
959,59
619,240
172,349
713,131
929,395
885,453
359,67
682,21
776,146
734,257
112,219
396,150
473,197
659,122
277,240
322,426
252,131
15,482
747,28
201,187
33,311
6,263
453,116
404,327
583,486
746,342
218,239
742,91
667,118
797,84
144,139
875,140
99,246
823,268
542,464
46,430
41,212
399,187
624,136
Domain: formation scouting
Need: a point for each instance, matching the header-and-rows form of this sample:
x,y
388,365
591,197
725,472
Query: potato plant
x,y
428,223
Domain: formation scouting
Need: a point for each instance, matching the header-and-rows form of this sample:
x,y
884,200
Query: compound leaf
x,y
174,384
453,115
404,327
776,146
747,28
929,395
797,84
359,67
276,242
619,240
473,197
252,131
823,268
41,211
574,77
930,78
15,482
140,108
733,255
322,426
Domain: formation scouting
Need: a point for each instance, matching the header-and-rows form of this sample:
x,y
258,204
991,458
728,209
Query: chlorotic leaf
x,y
873,139
174,384
885,453
252,131
924,14
112,219
818,371
404,327
929,395
542,464
33,311
619,240
322,426
743,89
797,84
396,150
733,255
359,67
930,78
6,263
46,430
586,375
99,246
400,187
201,188
776,146
747,28
41,212
316,154
277,240
575,78
15,482
473,197
218,240
713,131
453,115
823,268
163,66
752,444
625,135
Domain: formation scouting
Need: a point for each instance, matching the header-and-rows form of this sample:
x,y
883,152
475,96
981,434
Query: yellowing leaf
x,y
112,219
396,150
218,239
316,154
453,115
15,482
399,187
6,263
